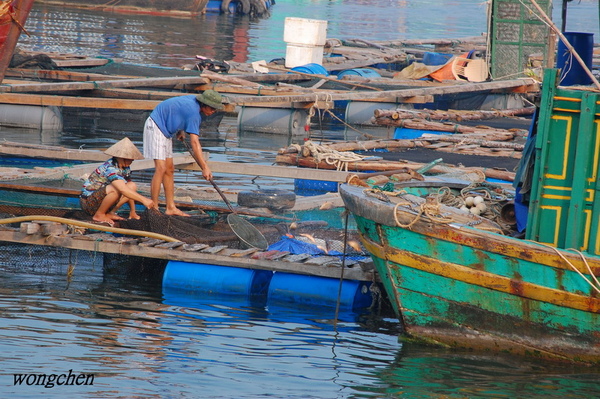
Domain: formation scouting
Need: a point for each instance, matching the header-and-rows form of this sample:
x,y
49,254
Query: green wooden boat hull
x,y
470,287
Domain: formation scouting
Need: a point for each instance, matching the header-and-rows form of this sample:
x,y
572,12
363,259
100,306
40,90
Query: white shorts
x,y
156,145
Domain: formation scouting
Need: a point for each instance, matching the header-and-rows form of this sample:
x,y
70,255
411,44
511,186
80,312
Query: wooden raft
x,y
282,261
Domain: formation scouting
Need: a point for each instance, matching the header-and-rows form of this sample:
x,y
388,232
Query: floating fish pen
x,y
197,255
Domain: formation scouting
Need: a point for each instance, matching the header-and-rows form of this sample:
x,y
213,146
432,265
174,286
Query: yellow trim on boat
x,y
567,144
485,279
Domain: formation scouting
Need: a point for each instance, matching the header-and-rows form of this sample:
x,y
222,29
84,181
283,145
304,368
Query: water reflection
x,y
115,321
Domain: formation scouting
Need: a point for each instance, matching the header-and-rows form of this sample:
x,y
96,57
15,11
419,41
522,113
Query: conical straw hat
x,y
124,149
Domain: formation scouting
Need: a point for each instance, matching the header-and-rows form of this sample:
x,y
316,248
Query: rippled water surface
x,y
113,320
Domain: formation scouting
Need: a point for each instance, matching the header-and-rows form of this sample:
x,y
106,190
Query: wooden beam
x,y
76,102
275,171
508,85
103,84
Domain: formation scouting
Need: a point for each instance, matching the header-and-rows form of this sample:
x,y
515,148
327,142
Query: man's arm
x,y
197,149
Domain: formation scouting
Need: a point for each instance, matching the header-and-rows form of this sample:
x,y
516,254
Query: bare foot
x,y
176,212
103,219
114,216
134,216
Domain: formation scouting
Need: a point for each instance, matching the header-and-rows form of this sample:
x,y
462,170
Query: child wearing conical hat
x,y
110,186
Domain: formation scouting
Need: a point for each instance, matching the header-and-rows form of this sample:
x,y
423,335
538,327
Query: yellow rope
x,y
89,226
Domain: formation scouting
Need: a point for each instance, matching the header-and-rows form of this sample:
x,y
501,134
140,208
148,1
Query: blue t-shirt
x,y
178,113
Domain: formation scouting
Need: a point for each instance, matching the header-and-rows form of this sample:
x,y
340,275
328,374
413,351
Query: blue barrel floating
x,y
312,68
572,73
320,291
364,72
403,133
309,188
200,277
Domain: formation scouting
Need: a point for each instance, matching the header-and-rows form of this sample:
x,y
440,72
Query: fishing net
x,y
204,228
55,193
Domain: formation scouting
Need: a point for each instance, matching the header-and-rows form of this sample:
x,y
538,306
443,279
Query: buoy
x,y
200,277
31,117
272,120
361,112
318,291
267,198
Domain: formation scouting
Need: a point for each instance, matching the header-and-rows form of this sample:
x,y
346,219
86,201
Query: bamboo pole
x,y
514,84
310,162
449,127
566,42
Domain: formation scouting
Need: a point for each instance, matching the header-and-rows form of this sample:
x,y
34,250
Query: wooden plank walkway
x,y
276,261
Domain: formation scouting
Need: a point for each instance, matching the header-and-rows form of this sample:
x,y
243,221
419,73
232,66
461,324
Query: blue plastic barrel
x,y
319,291
200,277
404,133
432,58
572,73
313,68
309,188
364,72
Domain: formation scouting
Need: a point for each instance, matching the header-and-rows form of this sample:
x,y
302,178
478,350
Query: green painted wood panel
x,y
563,209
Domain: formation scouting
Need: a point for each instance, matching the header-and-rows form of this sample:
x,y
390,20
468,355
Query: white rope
x,y
339,159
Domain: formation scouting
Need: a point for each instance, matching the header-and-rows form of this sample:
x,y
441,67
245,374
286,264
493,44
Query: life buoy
x,y
271,199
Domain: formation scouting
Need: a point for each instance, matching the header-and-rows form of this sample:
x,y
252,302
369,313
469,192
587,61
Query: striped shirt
x,y
105,174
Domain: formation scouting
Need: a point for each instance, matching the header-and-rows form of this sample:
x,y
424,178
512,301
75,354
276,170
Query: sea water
x,y
66,314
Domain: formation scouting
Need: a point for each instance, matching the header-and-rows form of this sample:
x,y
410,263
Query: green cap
x,y
211,98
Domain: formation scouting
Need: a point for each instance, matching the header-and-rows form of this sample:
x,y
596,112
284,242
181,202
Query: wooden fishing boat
x,y
462,280
13,15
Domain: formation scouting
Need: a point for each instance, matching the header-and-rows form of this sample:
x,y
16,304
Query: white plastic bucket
x,y
298,54
311,32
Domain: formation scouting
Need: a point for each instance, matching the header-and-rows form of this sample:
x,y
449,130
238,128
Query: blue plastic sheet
x,y
295,247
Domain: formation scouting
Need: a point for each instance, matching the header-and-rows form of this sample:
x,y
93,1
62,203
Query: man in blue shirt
x,y
173,118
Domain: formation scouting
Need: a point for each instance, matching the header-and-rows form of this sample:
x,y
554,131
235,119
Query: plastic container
x,y
300,54
319,291
572,73
312,32
403,133
364,72
205,278
309,188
